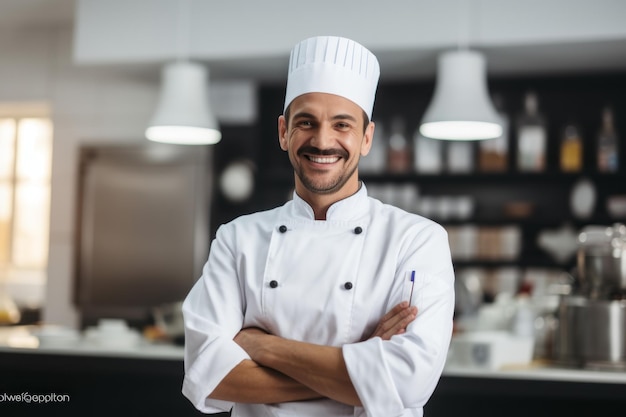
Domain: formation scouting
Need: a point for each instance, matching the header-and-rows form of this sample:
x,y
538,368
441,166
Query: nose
x,y
323,137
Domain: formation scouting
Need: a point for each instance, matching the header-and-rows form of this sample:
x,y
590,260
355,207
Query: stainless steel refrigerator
x,y
142,227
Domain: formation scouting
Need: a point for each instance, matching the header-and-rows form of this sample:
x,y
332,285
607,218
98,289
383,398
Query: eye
x,y
304,123
343,126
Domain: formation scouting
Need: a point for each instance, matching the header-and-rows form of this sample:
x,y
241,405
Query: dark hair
x,y
366,120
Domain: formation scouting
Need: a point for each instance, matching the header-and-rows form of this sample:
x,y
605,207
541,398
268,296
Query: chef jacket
x,y
329,283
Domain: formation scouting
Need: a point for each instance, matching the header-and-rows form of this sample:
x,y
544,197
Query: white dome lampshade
x,y
461,108
183,114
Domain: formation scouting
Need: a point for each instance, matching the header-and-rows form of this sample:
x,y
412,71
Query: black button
x,y
273,283
282,229
358,230
347,285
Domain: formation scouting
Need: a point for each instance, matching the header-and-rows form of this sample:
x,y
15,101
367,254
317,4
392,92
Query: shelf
x,y
518,263
529,224
495,177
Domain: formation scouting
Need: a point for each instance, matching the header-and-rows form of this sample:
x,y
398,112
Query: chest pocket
x,y
310,281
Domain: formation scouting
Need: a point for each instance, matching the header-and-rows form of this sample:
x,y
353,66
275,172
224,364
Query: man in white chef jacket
x,y
333,304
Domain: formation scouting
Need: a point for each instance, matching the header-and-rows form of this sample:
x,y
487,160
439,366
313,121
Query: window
x,y
25,168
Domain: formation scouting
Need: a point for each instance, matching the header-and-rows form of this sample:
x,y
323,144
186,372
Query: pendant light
x,y
461,108
183,115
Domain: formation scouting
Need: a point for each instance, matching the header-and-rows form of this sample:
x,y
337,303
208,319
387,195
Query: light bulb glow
x,y
461,130
183,135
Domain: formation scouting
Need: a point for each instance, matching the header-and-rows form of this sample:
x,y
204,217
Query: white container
x,y
51,336
112,334
490,350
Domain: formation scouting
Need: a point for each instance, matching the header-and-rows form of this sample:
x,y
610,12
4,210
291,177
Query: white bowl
x,y
112,339
57,337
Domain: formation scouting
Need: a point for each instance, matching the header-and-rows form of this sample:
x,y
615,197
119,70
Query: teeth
x,y
324,160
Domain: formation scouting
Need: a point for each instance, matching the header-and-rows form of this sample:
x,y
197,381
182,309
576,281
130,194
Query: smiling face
x,y
324,138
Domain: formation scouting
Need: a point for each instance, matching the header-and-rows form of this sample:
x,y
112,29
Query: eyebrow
x,y
305,115
345,117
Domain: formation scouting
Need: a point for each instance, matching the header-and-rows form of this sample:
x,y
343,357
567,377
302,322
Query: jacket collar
x,y
350,208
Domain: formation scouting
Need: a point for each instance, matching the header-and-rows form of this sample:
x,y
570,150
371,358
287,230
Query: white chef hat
x,y
334,65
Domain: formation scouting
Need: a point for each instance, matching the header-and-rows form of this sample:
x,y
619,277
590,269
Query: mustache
x,y
312,150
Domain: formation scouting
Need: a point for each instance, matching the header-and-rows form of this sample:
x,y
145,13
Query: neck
x,y
320,203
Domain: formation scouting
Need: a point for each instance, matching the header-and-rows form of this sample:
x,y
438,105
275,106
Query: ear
x,y
368,137
282,132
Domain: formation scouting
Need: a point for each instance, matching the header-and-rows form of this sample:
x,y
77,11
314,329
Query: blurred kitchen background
x,y
102,230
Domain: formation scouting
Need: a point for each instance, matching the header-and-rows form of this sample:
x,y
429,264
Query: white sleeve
x,y
213,312
402,373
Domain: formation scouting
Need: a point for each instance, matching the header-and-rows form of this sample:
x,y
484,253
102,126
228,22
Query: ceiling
x,y
504,59
31,13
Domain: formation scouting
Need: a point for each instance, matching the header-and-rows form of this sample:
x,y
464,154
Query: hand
x,y
395,321
250,340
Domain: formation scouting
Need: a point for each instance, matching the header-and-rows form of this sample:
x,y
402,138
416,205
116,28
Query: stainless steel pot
x,y
591,333
601,262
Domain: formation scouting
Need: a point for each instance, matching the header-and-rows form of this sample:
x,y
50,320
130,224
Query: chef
x,y
333,304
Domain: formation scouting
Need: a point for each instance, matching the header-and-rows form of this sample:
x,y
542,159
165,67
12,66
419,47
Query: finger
x,y
399,322
396,324
399,314
395,321
395,310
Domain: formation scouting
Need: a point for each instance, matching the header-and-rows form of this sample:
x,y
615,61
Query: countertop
x,y
143,350
146,378
20,340
540,372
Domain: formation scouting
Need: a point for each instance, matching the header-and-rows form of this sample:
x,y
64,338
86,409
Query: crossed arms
x,y
282,370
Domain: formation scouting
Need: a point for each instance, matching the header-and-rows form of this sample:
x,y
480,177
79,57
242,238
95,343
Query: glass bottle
x,y
399,152
376,160
608,157
571,149
531,136
428,154
494,153
460,156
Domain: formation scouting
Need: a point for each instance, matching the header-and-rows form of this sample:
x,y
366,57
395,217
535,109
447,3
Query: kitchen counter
x,y
537,390
541,372
143,350
146,379
147,351
24,340
85,378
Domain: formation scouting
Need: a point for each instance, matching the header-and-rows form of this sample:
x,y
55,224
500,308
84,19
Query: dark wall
x,y
563,99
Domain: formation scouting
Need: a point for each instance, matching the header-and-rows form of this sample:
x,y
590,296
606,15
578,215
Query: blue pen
x,y
412,285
